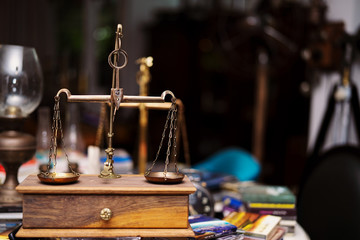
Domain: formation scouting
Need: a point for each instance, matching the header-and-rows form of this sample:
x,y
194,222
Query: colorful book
x,y
282,212
255,225
227,210
206,227
8,208
270,205
267,194
264,227
278,235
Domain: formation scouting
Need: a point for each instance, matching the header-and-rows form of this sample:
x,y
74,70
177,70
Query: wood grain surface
x,y
101,233
92,184
83,211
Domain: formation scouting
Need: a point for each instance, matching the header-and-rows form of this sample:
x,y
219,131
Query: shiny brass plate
x,y
159,177
58,178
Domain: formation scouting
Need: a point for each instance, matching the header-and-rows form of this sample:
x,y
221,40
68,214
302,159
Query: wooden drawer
x,y
83,211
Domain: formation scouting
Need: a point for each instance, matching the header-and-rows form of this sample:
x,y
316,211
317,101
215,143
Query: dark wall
x,y
209,56
206,54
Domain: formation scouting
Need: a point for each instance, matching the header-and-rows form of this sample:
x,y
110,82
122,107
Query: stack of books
x,y
266,200
271,200
256,226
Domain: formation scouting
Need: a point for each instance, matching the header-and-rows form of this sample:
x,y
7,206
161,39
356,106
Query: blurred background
x,y
252,74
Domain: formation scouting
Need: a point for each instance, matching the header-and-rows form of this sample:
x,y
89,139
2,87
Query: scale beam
x,y
133,101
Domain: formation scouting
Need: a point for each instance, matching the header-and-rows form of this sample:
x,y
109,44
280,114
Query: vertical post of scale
x,y
143,78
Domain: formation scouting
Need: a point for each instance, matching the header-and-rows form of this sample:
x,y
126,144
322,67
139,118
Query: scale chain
x,y
171,116
53,142
161,142
174,140
56,128
169,141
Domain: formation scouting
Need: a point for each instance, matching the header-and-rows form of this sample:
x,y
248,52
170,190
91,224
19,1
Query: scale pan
x,y
159,177
58,178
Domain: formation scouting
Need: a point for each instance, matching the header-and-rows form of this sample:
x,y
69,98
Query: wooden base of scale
x,y
138,208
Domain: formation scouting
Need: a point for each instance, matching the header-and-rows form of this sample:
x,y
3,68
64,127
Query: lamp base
x,y
16,148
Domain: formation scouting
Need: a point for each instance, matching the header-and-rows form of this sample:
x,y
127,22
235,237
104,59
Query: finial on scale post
x,y
143,77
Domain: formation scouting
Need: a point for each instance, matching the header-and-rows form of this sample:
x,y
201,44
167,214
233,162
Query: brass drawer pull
x,y
105,214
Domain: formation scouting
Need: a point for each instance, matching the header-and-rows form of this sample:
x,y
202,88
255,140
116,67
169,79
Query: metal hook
x,y
166,92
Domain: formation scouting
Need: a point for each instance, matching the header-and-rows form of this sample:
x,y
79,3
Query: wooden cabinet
x,y
130,205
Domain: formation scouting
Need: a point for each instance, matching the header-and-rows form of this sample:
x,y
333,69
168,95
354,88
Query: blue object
x,y
210,227
232,202
232,161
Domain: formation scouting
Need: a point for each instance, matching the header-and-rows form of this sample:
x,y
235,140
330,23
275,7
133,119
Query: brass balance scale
x,y
108,205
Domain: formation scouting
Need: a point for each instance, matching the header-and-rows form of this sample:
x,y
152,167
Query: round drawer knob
x,y
105,214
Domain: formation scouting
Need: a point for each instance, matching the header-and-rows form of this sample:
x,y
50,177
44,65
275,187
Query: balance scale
x,y
155,204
